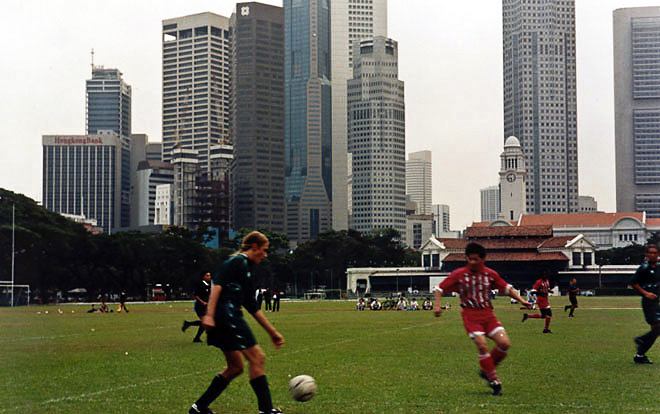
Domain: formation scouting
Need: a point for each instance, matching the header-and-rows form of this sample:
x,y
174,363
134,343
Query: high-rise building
x,y
82,176
308,124
490,203
154,151
257,107
196,84
637,109
540,105
376,137
164,205
108,108
419,180
440,219
419,228
150,174
186,167
350,20
587,204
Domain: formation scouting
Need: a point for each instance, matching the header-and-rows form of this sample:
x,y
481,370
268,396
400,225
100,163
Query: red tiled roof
x,y
556,242
509,231
653,222
578,219
453,243
512,257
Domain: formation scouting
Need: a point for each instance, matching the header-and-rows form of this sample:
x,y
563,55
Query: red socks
x,y
488,366
497,355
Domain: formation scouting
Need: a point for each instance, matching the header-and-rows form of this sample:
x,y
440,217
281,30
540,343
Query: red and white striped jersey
x,y
474,288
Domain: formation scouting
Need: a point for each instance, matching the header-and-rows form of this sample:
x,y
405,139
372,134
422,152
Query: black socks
x,y
260,387
218,385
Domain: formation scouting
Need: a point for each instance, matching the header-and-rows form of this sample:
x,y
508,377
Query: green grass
x,y
366,362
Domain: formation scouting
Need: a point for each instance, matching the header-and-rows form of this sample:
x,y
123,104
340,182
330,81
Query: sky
x,y
450,58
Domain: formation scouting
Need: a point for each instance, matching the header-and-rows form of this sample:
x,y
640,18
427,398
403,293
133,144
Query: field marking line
x,y
8,340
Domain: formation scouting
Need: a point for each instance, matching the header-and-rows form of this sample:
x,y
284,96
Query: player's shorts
x,y
480,322
651,310
546,313
231,332
200,309
573,300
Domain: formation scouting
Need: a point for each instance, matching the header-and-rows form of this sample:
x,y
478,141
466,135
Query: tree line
x,y
55,254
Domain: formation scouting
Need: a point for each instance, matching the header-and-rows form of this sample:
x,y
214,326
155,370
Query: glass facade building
x,y
82,176
540,101
108,104
637,109
308,119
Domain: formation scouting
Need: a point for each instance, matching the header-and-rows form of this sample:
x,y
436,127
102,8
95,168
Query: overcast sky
x,y
450,58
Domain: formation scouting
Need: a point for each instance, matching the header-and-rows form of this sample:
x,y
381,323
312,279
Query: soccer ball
x,y
302,388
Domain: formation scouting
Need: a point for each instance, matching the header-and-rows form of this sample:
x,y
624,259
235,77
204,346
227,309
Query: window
x,y
587,259
577,259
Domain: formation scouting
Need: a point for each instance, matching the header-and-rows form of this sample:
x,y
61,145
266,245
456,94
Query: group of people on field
x,y
230,289
401,305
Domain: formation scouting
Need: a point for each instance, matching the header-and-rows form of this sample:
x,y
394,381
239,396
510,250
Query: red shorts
x,y
480,322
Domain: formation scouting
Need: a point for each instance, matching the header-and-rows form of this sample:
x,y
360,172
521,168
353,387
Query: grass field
x,y
363,362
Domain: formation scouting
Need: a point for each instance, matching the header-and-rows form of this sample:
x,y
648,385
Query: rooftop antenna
x,y
92,58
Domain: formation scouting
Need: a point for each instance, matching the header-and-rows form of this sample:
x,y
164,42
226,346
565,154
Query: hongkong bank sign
x,y
79,140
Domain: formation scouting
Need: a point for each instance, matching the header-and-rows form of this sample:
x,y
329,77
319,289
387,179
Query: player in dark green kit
x,y
573,291
646,281
227,330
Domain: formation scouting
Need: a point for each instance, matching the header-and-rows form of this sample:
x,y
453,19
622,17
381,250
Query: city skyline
x,y
442,112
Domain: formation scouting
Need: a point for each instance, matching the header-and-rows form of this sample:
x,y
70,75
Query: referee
x,y
201,301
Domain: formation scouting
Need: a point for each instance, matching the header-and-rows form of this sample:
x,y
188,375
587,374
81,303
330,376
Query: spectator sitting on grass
x,y
414,306
427,305
360,304
375,305
402,304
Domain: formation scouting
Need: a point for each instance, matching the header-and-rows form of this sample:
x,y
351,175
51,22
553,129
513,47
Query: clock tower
x,y
512,180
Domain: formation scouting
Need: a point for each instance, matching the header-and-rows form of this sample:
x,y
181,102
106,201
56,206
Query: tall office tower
x,y
490,203
540,105
196,81
154,151
149,175
350,20
185,163
637,109
376,136
441,219
257,107
138,154
587,204
82,176
108,108
419,180
308,124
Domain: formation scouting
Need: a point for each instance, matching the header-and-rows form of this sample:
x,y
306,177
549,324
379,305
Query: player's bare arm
x,y
208,320
646,294
438,305
275,336
515,295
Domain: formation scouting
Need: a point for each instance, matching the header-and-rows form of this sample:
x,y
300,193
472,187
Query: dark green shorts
x,y
651,311
231,332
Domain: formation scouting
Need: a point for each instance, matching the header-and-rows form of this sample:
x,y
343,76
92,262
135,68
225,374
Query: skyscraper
x,y
82,176
490,203
440,219
108,108
257,107
540,105
419,180
376,137
637,109
196,82
308,137
350,20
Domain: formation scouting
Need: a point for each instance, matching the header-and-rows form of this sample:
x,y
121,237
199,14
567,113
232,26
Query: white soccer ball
x,y
302,388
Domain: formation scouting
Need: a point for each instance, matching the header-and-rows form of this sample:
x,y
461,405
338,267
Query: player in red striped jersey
x,y
474,283
542,288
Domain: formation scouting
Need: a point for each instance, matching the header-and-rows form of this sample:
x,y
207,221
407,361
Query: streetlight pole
x,y
13,229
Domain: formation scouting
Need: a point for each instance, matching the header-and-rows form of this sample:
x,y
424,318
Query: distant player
x,y
573,291
122,302
542,288
473,283
201,301
646,282
226,329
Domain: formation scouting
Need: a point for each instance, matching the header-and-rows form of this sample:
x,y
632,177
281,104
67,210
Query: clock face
x,y
511,178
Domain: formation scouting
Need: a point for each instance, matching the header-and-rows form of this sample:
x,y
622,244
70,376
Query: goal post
x,y
19,293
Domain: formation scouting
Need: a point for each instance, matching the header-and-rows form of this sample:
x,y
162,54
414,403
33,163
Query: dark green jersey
x,y
647,277
572,289
235,278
